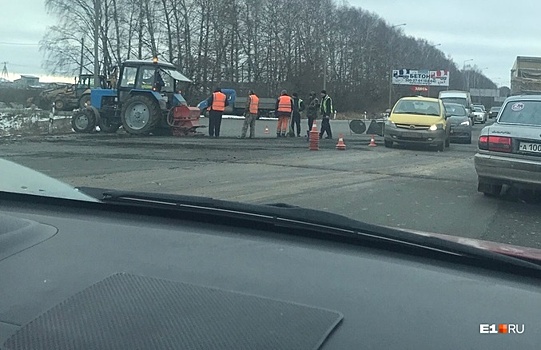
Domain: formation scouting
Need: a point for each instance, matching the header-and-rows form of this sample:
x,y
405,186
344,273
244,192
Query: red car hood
x,y
500,248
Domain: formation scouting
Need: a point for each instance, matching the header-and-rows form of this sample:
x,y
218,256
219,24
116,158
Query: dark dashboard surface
x,y
388,300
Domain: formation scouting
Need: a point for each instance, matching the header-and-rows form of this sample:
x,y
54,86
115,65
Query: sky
x,y
492,33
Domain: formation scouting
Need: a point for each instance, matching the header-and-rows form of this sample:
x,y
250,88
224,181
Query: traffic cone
x,y
314,138
341,146
372,142
267,129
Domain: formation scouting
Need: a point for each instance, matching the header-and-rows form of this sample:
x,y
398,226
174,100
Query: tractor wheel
x,y
84,101
140,115
83,121
59,105
107,127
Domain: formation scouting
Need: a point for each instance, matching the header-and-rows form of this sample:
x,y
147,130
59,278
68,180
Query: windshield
x,y
456,110
522,112
309,86
478,109
418,107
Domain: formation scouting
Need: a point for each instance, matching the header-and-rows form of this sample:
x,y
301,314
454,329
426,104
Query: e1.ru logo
x,y
502,328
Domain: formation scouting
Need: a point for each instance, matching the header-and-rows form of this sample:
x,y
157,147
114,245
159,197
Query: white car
x,y
479,115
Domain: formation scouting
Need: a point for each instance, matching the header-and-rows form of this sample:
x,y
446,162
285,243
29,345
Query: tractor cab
x,y
162,80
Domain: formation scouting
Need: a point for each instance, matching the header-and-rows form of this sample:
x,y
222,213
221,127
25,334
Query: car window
x,y
456,110
418,107
522,112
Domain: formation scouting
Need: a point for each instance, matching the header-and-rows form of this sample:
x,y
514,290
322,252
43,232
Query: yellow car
x,y
418,120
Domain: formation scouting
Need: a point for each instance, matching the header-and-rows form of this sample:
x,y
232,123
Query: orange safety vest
x,y
254,104
218,101
284,104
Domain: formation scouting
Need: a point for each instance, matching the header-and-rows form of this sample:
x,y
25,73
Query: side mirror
x,y
447,115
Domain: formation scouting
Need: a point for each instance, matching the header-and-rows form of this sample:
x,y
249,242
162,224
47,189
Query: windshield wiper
x,y
407,112
297,219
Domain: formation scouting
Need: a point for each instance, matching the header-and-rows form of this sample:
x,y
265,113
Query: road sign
x,y
419,89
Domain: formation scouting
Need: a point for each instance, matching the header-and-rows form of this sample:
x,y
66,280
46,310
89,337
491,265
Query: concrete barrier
x,y
31,122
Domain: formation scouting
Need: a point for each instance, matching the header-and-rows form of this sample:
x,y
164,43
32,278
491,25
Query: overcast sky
x,y
491,33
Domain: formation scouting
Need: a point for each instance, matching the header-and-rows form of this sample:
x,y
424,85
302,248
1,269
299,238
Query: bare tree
x,y
263,44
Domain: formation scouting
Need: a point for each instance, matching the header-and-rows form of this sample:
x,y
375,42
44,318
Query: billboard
x,y
420,77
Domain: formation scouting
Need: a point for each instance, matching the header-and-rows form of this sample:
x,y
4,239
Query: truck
x,y
237,104
526,76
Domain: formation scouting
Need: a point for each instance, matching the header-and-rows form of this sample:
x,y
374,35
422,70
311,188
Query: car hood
x,y
495,247
20,179
417,119
457,119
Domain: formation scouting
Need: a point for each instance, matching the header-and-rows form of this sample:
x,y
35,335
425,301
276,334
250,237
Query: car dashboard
x,y
79,276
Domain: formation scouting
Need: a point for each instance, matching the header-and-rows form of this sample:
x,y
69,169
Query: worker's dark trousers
x,y
215,121
296,122
325,128
310,124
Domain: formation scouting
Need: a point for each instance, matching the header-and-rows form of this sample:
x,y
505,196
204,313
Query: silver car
x,y
510,149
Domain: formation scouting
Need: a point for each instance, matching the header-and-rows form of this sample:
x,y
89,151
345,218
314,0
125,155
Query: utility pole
x,y
391,65
466,81
82,56
324,69
97,14
5,73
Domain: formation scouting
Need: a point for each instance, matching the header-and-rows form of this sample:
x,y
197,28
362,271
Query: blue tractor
x,y
142,102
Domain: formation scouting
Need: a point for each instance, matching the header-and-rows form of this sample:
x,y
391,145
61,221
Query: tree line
x,y
265,45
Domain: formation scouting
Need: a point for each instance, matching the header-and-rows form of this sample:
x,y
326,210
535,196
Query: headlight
x,y
467,122
433,128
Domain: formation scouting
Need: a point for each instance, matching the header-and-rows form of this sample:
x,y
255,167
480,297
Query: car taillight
x,y
483,142
495,143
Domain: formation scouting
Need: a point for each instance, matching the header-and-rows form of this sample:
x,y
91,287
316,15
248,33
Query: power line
x,y
17,44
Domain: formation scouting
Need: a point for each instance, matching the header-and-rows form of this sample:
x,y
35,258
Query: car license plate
x,y
412,135
530,147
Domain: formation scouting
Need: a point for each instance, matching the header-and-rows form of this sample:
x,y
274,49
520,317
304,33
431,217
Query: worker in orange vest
x,y
250,114
217,103
284,108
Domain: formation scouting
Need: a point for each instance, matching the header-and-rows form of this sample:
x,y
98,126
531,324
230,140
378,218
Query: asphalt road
x,y
407,188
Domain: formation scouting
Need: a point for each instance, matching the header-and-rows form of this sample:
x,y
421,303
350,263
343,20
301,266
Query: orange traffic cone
x,y
314,138
267,129
341,146
372,142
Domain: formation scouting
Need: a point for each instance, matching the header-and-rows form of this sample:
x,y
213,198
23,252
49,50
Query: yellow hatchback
x,y
418,120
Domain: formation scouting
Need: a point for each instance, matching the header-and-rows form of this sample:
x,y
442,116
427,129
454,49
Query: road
x,y
407,188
